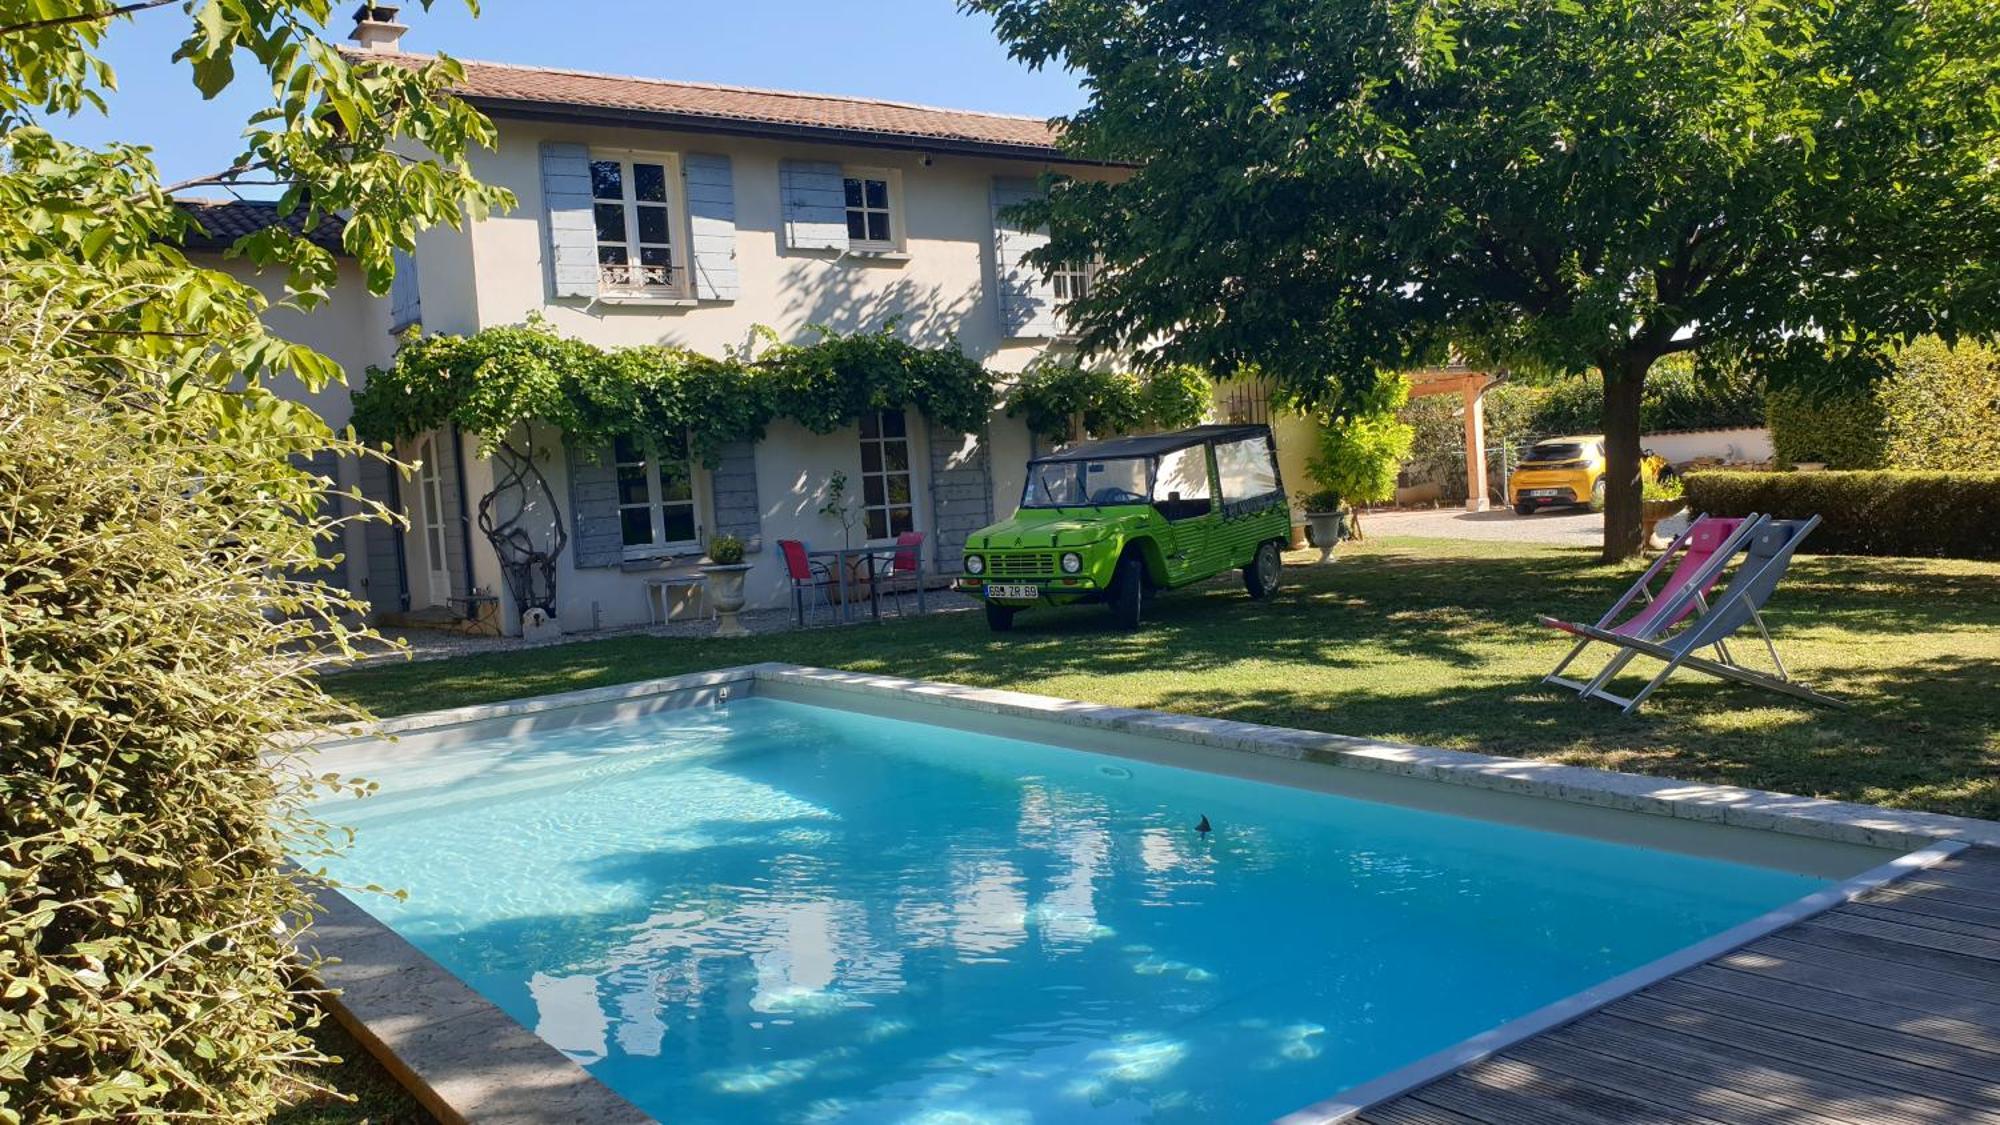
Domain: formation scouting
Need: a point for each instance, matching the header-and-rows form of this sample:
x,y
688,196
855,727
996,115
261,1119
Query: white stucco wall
x,y
351,327
1746,445
495,273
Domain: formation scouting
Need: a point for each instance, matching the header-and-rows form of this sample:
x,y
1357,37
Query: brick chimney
x,y
376,29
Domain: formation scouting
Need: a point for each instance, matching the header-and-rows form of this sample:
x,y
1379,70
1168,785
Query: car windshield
x,y
1082,484
1556,451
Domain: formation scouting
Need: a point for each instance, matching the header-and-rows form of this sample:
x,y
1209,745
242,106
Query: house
x,y
660,212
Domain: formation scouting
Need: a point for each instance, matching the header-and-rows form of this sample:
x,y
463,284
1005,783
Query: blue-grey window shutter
x,y
572,227
406,303
711,203
1027,300
734,481
593,507
815,207
961,491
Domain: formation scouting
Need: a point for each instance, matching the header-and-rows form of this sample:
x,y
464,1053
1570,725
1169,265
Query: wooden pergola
x,y
1456,378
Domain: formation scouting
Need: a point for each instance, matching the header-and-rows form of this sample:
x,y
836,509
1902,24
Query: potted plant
x,y
1360,453
722,582
838,507
1326,520
1659,497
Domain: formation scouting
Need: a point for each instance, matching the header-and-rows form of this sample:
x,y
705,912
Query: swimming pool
x,y
777,911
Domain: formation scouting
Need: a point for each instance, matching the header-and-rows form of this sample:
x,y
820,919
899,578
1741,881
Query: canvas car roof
x,y
1153,445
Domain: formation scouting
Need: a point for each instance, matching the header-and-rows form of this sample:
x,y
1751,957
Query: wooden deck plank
x,y
1986,949
1881,1011
1409,1111
1977,1093
1809,1089
1874,1010
1947,892
1832,1029
1474,1093
1664,1086
1867,965
1921,919
1892,952
1912,900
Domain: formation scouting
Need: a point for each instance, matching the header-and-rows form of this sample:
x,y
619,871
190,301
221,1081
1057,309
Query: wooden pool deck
x,y
1882,1011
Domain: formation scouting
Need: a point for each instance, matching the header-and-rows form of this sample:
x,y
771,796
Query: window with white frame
x,y
1072,280
871,223
656,496
887,484
633,208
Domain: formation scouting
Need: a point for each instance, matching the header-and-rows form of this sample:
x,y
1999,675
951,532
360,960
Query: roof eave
x,y
520,109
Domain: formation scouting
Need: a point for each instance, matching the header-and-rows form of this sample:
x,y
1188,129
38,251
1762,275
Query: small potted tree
x,y
1359,456
722,583
1660,497
1326,519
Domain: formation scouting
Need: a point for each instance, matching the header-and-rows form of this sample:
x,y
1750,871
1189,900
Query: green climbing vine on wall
x,y
496,382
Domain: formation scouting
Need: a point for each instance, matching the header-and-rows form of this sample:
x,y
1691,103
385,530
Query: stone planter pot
x,y
723,585
1651,512
1327,529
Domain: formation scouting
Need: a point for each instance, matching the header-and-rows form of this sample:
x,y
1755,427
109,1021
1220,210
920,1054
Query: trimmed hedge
x,y
1948,515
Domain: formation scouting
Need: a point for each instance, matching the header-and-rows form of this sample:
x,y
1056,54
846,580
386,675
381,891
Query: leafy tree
x,y
1334,190
158,596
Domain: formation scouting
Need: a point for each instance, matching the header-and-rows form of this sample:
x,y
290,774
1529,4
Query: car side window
x,y
1181,487
1245,470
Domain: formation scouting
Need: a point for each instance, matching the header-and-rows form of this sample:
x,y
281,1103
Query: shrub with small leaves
x,y
159,621
725,550
1947,515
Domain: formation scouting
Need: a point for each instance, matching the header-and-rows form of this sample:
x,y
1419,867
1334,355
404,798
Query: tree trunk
x,y
1624,385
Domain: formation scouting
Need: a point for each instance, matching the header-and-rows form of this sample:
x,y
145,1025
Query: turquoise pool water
x,y
768,911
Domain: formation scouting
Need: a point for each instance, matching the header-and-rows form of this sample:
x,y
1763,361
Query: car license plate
x,y
1544,491
1012,590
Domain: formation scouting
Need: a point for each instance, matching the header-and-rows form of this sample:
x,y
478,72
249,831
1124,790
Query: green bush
x,y
1840,431
152,647
1951,515
1943,407
1938,408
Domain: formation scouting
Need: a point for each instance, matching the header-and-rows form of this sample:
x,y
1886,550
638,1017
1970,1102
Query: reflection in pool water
x,y
774,912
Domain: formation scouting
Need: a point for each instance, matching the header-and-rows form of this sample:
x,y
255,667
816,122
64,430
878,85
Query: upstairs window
x,y
1071,281
887,484
656,502
633,207
871,223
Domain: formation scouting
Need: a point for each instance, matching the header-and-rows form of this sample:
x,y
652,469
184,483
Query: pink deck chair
x,y
1698,555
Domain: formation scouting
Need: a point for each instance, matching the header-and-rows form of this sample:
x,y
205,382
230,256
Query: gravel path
x,y
1564,526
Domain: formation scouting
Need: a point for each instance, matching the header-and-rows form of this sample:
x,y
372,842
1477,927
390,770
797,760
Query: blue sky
x,y
908,50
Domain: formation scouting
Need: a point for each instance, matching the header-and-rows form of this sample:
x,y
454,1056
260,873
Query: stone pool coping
x,y
467,1060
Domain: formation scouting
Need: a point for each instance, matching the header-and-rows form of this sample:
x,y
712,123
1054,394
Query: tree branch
x,y
84,17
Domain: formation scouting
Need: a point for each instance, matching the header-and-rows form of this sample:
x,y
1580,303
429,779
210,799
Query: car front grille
x,y
1021,564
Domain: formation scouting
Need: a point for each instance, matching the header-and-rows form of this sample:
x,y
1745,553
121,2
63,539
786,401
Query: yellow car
x,y
1562,472
1559,472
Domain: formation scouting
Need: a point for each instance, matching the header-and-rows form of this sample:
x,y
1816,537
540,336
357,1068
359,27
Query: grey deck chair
x,y
1750,588
1698,556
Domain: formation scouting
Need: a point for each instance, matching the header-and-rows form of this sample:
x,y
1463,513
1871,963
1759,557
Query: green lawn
x,y
354,1091
1434,643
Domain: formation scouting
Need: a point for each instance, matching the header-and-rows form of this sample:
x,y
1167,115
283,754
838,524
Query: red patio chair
x,y
810,580
901,571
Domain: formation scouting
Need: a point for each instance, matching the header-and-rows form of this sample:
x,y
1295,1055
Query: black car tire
x,y
1260,578
1127,596
1000,618
1524,509
1597,496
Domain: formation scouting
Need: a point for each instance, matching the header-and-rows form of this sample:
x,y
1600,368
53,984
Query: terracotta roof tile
x,y
223,221
751,110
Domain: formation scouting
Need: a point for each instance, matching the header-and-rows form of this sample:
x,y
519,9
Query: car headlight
x,y
975,565
1071,562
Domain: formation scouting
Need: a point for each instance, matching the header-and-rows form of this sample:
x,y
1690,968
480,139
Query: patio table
x,y
842,560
